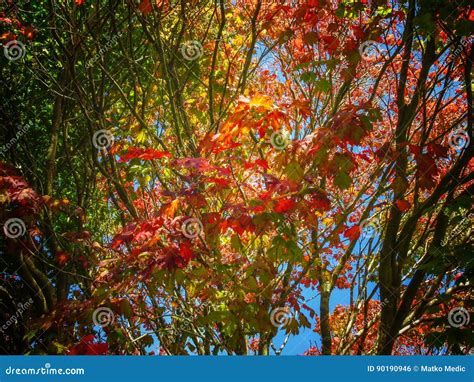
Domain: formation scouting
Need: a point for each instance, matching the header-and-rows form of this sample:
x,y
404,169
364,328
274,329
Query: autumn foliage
x,y
221,177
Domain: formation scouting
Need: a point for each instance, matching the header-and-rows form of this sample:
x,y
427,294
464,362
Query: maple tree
x,y
198,177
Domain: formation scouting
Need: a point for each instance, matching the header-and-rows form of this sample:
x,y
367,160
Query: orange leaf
x,y
170,208
145,6
258,101
352,233
403,205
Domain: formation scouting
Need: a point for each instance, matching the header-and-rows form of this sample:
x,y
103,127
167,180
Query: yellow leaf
x,y
141,136
261,101
170,208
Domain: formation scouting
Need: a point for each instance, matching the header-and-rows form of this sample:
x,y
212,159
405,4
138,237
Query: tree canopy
x,y
201,176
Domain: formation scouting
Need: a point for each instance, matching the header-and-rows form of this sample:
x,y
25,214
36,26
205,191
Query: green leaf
x,y
323,85
342,180
126,308
309,77
294,171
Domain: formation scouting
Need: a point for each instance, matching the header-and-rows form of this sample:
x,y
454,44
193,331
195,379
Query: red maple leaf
x,y
319,201
352,233
185,252
87,347
284,205
403,205
145,6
